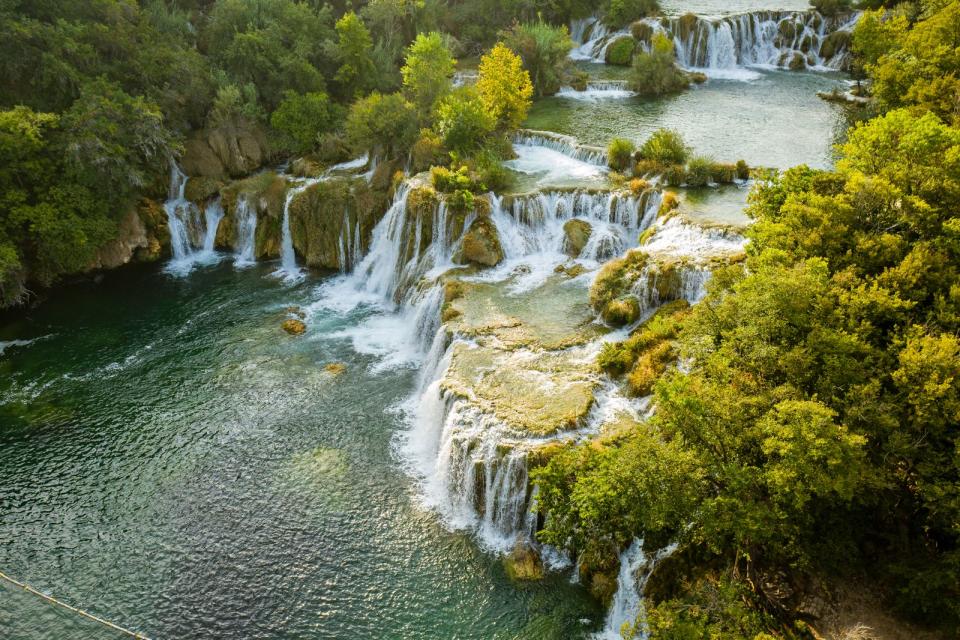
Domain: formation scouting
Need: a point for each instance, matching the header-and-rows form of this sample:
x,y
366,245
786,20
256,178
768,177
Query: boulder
x,y
293,326
199,190
577,235
480,244
237,147
523,563
131,237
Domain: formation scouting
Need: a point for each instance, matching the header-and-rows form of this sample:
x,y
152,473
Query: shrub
x,y
699,171
722,173
620,51
666,147
743,170
641,31
655,72
675,175
619,153
427,151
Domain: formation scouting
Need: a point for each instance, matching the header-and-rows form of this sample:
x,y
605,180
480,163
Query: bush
x,y
620,51
303,118
699,172
655,72
619,153
743,170
666,147
620,13
427,151
452,180
722,173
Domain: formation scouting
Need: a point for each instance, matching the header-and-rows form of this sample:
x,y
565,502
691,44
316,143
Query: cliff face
x,y
233,149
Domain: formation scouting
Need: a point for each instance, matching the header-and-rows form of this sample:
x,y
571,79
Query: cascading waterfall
x,y
180,213
192,232
473,467
567,145
598,90
721,46
627,608
288,257
246,217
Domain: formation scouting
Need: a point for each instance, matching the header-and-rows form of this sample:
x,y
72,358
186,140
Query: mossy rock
x,y
329,215
306,167
523,563
620,51
669,203
616,277
577,234
621,311
686,25
795,61
480,244
199,190
266,193
788,30
154,218
641,31
835,43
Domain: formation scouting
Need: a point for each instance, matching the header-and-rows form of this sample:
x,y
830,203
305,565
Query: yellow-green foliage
x,y
618,358
615,278
668,203
637,186
621,311
648,367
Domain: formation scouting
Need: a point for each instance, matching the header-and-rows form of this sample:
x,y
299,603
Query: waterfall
x,y
567,145
212,215
246,221
627,608
598,90
724,46
192,232
288,258
179,214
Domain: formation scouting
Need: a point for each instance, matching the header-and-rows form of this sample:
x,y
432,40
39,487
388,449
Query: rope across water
x,y
80,612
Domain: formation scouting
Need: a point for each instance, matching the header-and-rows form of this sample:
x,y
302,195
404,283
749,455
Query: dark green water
x,y
172,461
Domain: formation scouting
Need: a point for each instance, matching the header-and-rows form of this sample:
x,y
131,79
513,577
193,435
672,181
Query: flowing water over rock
x,y
192,232
725,46
627,608
246,232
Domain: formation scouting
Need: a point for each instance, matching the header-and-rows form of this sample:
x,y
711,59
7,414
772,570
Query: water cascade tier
x,y
719,45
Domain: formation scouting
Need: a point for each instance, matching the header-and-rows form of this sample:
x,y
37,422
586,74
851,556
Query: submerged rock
x,y
335,368
294,327
480,244
577,235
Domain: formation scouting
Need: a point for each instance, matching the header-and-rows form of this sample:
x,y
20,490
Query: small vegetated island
x,y
480,319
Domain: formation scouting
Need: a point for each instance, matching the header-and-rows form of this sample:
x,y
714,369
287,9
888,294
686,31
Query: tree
x,y
463,122
354,51
114,139
544,50
427,73
382,123
504,87
303,118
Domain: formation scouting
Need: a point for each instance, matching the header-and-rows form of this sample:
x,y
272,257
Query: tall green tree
x,y
427,73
